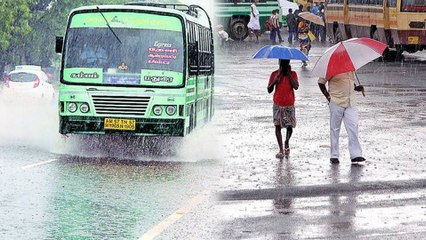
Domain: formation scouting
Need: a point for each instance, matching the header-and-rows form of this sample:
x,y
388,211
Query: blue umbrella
x,y
280,52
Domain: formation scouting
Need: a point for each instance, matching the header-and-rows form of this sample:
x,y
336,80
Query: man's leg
x,y
290,36
336,115
350,120
273,35
280,39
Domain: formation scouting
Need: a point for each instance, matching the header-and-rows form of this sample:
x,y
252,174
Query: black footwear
x,y
334,160
357,159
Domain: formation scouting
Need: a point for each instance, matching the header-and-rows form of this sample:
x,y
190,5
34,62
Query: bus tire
x,y
238,29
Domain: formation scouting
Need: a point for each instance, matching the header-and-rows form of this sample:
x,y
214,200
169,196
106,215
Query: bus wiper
x,y
109,25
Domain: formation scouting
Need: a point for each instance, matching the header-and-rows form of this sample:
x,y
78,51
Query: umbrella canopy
x,y
348,56
280,52
312,18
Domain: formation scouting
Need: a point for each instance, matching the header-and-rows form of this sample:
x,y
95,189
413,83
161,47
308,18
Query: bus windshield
x,y
140,57
413,6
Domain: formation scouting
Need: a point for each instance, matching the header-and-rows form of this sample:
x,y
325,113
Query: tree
x,y
14,26
28,29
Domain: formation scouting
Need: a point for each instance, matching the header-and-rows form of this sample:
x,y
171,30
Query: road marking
x,y
38,164
322,190
187,207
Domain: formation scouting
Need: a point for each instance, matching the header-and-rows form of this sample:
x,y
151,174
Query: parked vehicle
x,y
27,81
234,16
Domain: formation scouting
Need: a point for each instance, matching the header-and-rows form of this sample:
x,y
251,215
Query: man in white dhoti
x,y
340,95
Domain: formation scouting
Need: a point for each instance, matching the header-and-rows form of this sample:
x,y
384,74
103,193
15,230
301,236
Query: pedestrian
x,y
283,81
292,25
321,29
254,24
275,31
315,9
270,25
298,19
341,98
277,25
304,41
223,35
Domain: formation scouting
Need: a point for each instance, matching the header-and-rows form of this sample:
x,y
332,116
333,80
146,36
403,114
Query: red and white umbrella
x,y
348,56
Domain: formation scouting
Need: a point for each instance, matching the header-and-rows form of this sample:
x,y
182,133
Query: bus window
x,y
391,3
413,5
139,50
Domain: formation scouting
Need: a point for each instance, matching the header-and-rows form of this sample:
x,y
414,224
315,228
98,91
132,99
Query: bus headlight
x,y
72,107
157,110
171,110
84,108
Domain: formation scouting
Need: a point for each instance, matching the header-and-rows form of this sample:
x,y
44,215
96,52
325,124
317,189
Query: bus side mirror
x,y
59,44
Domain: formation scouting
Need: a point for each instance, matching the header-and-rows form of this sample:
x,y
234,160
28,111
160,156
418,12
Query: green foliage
x,y
14,26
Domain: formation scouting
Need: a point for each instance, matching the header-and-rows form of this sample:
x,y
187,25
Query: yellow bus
x,y
398,23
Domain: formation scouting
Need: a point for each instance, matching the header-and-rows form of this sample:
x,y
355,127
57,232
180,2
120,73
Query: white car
x,y
27,81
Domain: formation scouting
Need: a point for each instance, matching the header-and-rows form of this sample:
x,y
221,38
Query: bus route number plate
x,y
119,124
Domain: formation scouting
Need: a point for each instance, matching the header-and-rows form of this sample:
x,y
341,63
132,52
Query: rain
x,y
222,181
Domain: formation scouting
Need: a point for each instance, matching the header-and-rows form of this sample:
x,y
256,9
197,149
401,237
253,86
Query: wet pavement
x,y
392,134
116,188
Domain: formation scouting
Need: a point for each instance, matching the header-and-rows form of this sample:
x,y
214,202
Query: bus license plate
x,y
119,124
413,40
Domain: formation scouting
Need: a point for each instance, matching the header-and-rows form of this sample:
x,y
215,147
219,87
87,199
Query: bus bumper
x,y
144,127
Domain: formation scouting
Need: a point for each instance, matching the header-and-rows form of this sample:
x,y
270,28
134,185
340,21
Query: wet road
x,y
115,188
392,134
91,188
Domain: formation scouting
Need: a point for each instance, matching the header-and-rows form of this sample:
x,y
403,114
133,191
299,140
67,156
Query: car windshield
x,y
413,5
140,50
22,77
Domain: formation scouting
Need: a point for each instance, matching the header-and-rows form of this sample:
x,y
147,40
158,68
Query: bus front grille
x,y
120,105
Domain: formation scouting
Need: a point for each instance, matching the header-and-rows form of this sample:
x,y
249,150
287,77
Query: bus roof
x,y
146,8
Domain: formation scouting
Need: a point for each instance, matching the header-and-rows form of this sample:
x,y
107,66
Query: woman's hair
x,y
284,66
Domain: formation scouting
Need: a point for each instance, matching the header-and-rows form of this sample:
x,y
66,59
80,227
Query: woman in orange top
x,y
284,81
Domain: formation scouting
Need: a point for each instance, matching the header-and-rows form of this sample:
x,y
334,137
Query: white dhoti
x,y
349,116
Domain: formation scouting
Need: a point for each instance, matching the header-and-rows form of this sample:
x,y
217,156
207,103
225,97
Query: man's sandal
x,y
287,151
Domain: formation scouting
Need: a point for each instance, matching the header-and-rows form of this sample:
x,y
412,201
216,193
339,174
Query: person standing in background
x,y
275,31
296,15
292,26
254,25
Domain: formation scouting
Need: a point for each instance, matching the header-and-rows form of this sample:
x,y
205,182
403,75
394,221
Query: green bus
x,y
137,69
235,14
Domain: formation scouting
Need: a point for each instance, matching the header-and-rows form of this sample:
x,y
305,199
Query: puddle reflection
x,y
342,209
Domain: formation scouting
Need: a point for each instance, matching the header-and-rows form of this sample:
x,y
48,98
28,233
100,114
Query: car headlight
x,y
72,107
84,108
171,110
157,110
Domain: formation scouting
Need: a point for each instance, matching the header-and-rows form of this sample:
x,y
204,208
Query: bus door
x,y
194,70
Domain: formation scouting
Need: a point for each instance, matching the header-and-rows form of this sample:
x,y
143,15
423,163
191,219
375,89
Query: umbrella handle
x,y
356,75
